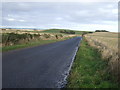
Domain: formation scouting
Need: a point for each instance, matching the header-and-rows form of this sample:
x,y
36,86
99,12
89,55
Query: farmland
x,y
58,31
89,70
53,31
97,62
21,38
107,44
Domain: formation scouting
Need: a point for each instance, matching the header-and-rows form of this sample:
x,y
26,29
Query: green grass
x,y
30,44
52,31
89,70
58,31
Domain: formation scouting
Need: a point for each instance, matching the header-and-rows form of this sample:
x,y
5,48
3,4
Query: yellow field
x,y
21,31
109,40
107,44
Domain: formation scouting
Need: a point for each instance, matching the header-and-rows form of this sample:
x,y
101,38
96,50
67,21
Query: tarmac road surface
x,y
45,66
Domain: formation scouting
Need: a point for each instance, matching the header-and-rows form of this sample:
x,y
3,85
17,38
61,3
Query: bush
x,y
60,35
46,35
67,31
83,33
101,31
90,32
56,36
13,38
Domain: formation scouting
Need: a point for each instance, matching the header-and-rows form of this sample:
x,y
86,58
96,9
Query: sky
x,y
85,16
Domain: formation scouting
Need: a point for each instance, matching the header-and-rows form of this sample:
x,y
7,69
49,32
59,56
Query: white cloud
x,y
60,1
82,12
81,16
109,6
22,20
59,18
115,11
102,10
11,19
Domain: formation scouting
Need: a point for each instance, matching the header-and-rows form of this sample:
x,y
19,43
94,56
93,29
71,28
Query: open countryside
x,y
60,45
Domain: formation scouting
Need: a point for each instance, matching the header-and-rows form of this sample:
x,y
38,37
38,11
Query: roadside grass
x,y
108,45
89,70
31,43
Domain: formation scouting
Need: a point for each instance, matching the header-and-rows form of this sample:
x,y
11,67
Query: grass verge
x,y
89,70
30,44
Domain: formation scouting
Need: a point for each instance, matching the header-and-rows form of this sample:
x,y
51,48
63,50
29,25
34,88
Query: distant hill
x,y
23,28
58,31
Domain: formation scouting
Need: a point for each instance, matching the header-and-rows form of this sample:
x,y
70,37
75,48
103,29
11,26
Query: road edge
x,y
64,83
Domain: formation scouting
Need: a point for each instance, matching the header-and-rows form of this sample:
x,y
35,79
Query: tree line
x,y
101,31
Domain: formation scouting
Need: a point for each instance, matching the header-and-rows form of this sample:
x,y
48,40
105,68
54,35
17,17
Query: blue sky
x,y
88,16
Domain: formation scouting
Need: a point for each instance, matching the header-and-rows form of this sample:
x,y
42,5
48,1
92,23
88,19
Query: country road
x,y
43,66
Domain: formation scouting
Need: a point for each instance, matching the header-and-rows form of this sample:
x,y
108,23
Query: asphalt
x,y
43,66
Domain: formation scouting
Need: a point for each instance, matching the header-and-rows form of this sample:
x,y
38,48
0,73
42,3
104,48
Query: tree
x,y
67,31
101,31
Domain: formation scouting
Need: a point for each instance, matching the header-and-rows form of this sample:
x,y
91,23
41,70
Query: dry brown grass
x,y
36,35
107,44
20,31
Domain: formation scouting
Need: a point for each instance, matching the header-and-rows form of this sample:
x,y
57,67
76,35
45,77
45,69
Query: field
x,y
89,70
107,43
97,61
38,31
31,44
58,31
21,38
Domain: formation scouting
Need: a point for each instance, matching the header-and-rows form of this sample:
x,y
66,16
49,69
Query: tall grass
x,y
9,39
28,44
107,44
89,70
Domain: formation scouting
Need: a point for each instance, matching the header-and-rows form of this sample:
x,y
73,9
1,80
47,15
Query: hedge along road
x,y
44,66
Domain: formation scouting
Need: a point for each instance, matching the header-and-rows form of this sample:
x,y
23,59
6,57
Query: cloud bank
x,y
78,16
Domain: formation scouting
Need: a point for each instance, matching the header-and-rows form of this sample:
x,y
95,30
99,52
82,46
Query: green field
x,y
89,70
58,31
